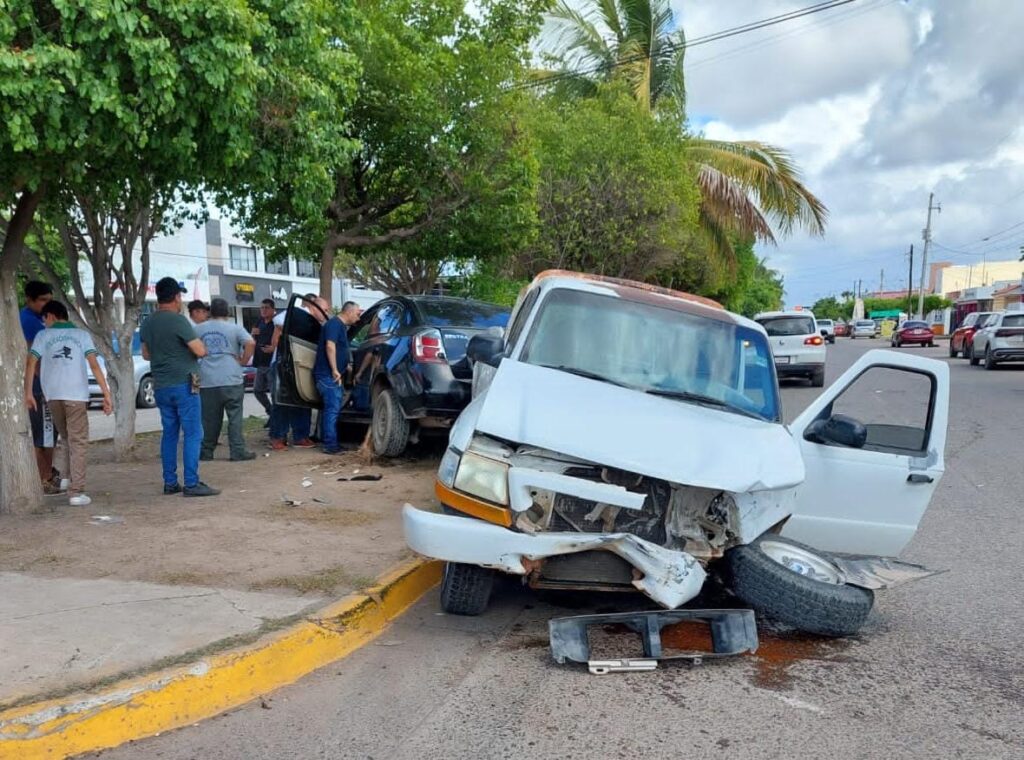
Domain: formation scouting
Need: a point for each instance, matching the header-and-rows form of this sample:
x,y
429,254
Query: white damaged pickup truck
x,y
624,436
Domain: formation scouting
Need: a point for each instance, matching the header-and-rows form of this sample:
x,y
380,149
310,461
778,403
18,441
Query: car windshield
x,y
439,312
915,325
782,326
654,349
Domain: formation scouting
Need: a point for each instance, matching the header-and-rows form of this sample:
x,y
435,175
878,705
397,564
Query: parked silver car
x,y
1000,340
863,328
145,391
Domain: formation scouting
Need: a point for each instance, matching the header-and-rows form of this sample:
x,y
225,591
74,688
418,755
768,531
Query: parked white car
x,y
797,344
827,328
1000,340
864,328
625,436
145,390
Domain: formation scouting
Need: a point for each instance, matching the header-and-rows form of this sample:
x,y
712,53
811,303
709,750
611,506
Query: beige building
x,y
948,278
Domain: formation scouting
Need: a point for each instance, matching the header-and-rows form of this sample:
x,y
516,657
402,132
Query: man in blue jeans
x,y
333,359
170,344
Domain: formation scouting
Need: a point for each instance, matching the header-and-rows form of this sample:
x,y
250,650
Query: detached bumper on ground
x,y
671,578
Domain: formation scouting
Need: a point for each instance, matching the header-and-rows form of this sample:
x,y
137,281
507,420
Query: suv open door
x,y
868,495
296,354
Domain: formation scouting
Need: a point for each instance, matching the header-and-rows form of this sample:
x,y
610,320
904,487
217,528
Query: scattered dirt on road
x,y
338,539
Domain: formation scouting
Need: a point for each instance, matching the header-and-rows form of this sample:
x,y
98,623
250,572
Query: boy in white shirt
x,y
65,354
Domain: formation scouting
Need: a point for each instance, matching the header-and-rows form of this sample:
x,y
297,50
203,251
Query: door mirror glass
x,y
486,349
838,430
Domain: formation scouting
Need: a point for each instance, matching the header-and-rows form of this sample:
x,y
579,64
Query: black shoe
x,y
245,456
206,457
266,424
170,490
343,449
200,489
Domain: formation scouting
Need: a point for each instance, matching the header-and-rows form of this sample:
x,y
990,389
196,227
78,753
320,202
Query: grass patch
x,y
253,424
322,582
183,578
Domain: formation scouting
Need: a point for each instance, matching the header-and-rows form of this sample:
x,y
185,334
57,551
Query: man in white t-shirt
x,y
65,354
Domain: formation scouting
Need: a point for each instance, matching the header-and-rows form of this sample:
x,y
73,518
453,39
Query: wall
x,y
962,277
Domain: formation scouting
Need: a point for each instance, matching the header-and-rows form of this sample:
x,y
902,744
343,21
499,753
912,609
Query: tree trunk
x,y
121,377
327,274
20,490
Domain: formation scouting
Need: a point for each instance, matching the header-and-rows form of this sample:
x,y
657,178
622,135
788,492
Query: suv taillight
x,y
814,340
428,347
1007,332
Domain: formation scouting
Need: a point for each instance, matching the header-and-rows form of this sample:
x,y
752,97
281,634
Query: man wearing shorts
x,y
44,433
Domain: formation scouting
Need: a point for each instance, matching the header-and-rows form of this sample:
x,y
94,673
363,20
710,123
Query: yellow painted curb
x,y
176,697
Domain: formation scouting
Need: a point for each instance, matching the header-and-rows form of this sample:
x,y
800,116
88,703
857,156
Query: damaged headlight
x,y
449,466
483,477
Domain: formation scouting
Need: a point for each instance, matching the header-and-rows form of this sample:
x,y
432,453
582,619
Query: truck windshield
x,y
650,348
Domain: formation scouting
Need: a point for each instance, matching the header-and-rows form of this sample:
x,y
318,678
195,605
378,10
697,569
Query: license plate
x,y
782,359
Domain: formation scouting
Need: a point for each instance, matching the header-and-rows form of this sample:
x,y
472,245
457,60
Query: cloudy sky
x,y
880,102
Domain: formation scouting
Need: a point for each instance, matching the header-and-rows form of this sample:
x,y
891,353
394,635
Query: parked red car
x,y
913,332
962,339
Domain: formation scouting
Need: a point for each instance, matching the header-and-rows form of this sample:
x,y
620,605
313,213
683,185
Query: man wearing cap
x,y
170,344
198,312
228,348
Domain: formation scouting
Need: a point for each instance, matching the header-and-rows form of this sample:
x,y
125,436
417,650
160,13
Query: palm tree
x,y
745,186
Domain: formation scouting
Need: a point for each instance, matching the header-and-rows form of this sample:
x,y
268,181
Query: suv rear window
x,y
1016,320
778,326
454,313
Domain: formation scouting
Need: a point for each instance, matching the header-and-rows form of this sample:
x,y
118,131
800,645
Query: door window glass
x,y
388,320
360,331
521,316
895,405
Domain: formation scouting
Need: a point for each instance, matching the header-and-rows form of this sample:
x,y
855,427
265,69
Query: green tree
x,y
437,144
746,187
615,196
828,308
117,109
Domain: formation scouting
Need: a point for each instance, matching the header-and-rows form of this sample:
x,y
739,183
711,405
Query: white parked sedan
x,y
623,436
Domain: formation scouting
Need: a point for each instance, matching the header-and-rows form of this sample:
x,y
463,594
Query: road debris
x,y
289,502
106,520
351,478
306,482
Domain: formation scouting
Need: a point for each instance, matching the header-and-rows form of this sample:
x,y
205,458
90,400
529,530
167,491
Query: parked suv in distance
x,y
828,329
962,339
797,345
410,370
1000,340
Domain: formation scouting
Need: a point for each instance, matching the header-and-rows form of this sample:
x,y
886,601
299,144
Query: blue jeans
x,y
180,411
332,395
285,418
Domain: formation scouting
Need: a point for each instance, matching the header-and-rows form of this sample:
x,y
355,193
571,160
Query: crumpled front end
x,y
670,578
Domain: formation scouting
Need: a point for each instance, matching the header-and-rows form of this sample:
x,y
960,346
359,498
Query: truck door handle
x,y
917,477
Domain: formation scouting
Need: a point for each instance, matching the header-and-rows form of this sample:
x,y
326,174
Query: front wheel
x,y
146,396
798,586
389,428
952,351
466,589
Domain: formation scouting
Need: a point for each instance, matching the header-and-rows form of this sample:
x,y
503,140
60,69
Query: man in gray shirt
x,y
228,348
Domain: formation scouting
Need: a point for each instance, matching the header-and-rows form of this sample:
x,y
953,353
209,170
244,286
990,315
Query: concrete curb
x,y
175,697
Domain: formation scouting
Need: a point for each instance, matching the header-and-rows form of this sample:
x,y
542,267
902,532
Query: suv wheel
x,y
990,361
818,378
969,353
466,589
146,396
797,585
389,430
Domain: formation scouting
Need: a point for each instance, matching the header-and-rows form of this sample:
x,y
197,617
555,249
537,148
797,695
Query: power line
x,y
670,48
987,239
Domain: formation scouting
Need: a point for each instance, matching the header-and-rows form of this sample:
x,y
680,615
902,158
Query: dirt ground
x,y
342,535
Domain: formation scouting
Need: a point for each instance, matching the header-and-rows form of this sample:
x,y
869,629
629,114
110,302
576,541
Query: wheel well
x,y
380,383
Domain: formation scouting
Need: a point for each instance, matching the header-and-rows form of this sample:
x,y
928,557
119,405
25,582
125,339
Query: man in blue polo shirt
x,y
333,359
44,433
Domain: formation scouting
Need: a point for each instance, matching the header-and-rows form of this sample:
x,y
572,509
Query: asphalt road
x,y
938,672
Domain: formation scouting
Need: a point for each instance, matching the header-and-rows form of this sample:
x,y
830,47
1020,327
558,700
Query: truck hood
x,y
629,430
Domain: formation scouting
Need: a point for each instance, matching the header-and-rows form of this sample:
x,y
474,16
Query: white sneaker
x,y
81,500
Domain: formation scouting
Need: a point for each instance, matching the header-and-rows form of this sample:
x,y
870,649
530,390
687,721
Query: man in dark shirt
x,y
44,434
170,344
333,358
263,334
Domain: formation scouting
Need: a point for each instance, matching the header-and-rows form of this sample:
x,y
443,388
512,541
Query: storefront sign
x,y
244,292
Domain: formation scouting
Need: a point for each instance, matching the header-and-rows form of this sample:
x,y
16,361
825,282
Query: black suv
x,y
410,369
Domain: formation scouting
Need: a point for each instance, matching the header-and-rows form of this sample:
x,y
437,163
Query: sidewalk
x,y
138,580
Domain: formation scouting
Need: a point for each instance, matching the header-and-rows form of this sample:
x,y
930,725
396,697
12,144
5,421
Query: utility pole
x,y
881,282
910,281
927,234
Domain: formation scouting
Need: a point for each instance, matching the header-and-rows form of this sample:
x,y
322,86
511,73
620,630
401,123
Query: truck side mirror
x,y
487,349
838,430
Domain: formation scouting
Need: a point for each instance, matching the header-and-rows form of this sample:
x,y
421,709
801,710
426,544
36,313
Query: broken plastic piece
x,y
306,482
604,667
106,520
733,632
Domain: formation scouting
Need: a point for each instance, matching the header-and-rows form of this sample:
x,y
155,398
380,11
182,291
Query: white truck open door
x,y
870,499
